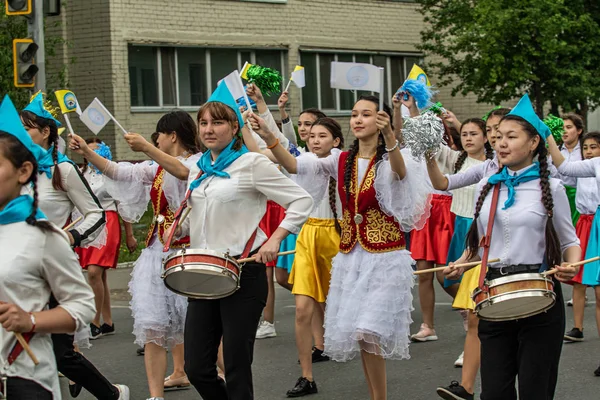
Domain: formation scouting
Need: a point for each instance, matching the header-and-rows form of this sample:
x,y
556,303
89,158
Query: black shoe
x,y
454,392
574,335
95,331
318,356
75,389
108,329
140,351
597,372
302,388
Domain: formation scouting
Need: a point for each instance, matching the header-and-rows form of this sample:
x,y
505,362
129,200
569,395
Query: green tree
x,y
499,50
11,27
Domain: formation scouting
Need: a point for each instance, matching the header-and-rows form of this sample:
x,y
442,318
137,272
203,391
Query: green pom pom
x,y
437,108
557,127
486,116
268,80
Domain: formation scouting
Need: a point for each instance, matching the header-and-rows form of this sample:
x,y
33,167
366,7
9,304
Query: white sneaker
x,y
123,392
459,361
425,334
570,303
265,330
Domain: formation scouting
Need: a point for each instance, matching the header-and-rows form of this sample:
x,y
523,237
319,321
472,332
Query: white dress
x,y
369,303
158,314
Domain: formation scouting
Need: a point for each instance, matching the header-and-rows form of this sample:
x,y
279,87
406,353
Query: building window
x,y
167,77
318,93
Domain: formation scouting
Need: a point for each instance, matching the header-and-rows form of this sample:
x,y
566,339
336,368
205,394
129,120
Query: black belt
x,y
494,273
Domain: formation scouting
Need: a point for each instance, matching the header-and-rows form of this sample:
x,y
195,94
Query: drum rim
x,y
527,276
485,303
200,252
190,295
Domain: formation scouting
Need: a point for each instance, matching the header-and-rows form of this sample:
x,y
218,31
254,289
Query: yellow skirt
x,y
469,282
318,242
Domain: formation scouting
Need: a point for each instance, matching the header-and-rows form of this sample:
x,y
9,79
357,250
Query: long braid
x,y
553,253
333,203
56,175
31,220
460,161
489,151
348,166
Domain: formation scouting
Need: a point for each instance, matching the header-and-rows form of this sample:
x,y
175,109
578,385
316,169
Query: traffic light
x,y
24,67
18,7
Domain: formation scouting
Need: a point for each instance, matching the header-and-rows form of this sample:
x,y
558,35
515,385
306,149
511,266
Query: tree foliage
x,y
499,50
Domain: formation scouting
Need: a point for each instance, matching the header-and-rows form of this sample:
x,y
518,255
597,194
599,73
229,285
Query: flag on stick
x,y
96,116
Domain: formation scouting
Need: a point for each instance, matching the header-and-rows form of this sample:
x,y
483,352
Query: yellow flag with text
x,y
417,74
67,101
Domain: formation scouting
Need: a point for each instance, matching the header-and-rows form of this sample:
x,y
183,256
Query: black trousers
x,y
235,319
23,389
528,348
77,368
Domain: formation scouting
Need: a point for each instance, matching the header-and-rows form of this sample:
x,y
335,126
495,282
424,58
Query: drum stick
x,y
26,347
72,224
463,265
577,264
185,215
283,253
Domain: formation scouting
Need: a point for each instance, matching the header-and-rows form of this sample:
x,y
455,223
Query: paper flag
x,y
95,116
354,76
298,77
418,74
245,68
236,87
67,101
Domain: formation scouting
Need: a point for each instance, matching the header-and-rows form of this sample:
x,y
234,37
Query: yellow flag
x,y
418,74
245,70
67,101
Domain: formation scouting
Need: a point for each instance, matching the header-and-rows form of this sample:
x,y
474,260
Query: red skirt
x,y
433,241
270,222
108,255
582,228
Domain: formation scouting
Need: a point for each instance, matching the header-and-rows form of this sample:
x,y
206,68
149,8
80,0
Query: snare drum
x,y
514,297
201,274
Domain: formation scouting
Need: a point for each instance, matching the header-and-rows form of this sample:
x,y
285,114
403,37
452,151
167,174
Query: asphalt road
x,y
276,368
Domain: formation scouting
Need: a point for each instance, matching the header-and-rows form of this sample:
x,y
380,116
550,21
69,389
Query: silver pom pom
x,y
423,135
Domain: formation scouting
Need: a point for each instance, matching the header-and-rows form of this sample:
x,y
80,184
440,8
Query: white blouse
x,y
289,132
518,234
96,182
473,175
570,156
226,211
587,197
33,265
586,172
58,205
268,117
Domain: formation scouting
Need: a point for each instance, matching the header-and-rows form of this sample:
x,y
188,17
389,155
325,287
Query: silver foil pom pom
x,y
423,135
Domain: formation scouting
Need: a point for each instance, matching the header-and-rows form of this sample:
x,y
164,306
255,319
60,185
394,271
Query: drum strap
x,y
248,247
487,239
18,349
177,216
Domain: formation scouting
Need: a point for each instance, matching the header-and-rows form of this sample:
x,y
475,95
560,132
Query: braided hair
x,y
33,121
489,152
552,253
353,151
15,152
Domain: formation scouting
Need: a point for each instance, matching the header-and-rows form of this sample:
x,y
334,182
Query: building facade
x,y
143,58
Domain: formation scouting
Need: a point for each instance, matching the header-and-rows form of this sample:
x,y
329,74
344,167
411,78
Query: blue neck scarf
x,y
18,210
224,160
511,181
45,163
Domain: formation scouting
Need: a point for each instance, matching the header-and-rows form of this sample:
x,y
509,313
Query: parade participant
x,y
588,225
384,193
305,120
317,244
28,278
571,151
97,260
158,313
492,119
532,214
61,189
227,203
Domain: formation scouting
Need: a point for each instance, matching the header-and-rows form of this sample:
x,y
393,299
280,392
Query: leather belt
x,y
494,273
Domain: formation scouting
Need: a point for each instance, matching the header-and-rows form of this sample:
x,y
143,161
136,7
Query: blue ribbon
x,y
18,210
224,160
45,163
511,181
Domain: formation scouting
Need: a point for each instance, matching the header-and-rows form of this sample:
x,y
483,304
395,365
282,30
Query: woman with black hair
x,y
531,232
383,193
158,313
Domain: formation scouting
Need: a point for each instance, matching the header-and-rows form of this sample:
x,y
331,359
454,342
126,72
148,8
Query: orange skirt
x,y
433,241
108,255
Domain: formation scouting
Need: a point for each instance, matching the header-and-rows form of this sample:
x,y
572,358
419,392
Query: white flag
x,y
95,116
354,76
236,87
298,77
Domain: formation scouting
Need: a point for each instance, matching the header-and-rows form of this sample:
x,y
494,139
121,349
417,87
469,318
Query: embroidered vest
x,y
363,221
163,215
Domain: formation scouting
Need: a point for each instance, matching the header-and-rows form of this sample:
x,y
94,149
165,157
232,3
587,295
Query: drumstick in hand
x,y
72,224
577,264
463,265
26,347
283,253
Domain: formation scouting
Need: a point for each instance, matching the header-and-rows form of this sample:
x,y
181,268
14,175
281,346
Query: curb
x,y
125,265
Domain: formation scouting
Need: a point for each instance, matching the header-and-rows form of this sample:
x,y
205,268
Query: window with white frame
x,y
317,66
167,77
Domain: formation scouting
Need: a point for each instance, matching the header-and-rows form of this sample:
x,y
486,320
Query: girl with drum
x,y
531,231
61,189
229,191
158,313
28,277
383,193
588,225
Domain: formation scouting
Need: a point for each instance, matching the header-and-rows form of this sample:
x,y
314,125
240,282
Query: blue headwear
x,y
525,110
10,122
37,107
514,180
223,95
103,150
